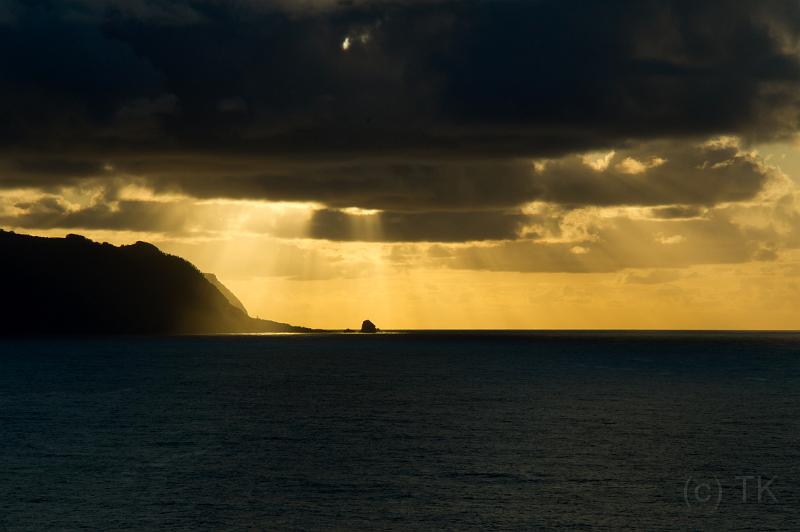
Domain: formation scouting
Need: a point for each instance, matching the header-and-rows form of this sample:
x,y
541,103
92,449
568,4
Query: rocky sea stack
x,y
368,327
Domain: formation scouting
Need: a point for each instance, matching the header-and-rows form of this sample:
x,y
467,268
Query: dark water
x,y
417,431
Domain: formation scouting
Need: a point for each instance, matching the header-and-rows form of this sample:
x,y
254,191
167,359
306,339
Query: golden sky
x,y
733,265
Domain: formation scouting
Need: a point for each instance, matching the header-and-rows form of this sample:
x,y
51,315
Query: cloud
x,y
620,243
418,226
691,175
689,178
51,212
448,118
398,186
505,78
125,209
652,277
677,211
169,12
542,239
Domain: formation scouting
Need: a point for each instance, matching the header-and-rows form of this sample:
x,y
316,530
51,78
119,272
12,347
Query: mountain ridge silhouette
x,y
74,285
225,291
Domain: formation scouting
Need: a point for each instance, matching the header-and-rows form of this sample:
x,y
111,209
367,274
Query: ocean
x,y
405,431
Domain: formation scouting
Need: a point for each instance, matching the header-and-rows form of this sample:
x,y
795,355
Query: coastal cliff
x,y
74,285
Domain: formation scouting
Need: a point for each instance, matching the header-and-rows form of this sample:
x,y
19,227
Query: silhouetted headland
x,y
74,285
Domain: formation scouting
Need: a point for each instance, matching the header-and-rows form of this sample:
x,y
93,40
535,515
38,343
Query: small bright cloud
x,y
540,165
723,142
629,165
669,239
598,161
361,38
357,211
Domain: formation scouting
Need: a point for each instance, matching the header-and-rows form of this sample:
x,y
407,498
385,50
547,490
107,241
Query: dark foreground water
x,y
402,431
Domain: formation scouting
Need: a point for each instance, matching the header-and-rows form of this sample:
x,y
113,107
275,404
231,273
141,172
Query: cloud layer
x,y
503,78
561,135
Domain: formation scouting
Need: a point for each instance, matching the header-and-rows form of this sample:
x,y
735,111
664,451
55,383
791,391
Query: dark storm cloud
x,y
434,106
409,186
447,202
531,78
676,211
414,227
652,174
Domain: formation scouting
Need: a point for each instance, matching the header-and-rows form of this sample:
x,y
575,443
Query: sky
x,y
423,163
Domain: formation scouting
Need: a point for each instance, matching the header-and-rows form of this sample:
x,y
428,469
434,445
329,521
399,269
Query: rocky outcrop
x,y
368,327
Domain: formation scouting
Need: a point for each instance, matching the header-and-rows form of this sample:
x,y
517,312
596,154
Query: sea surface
x,y
406,431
